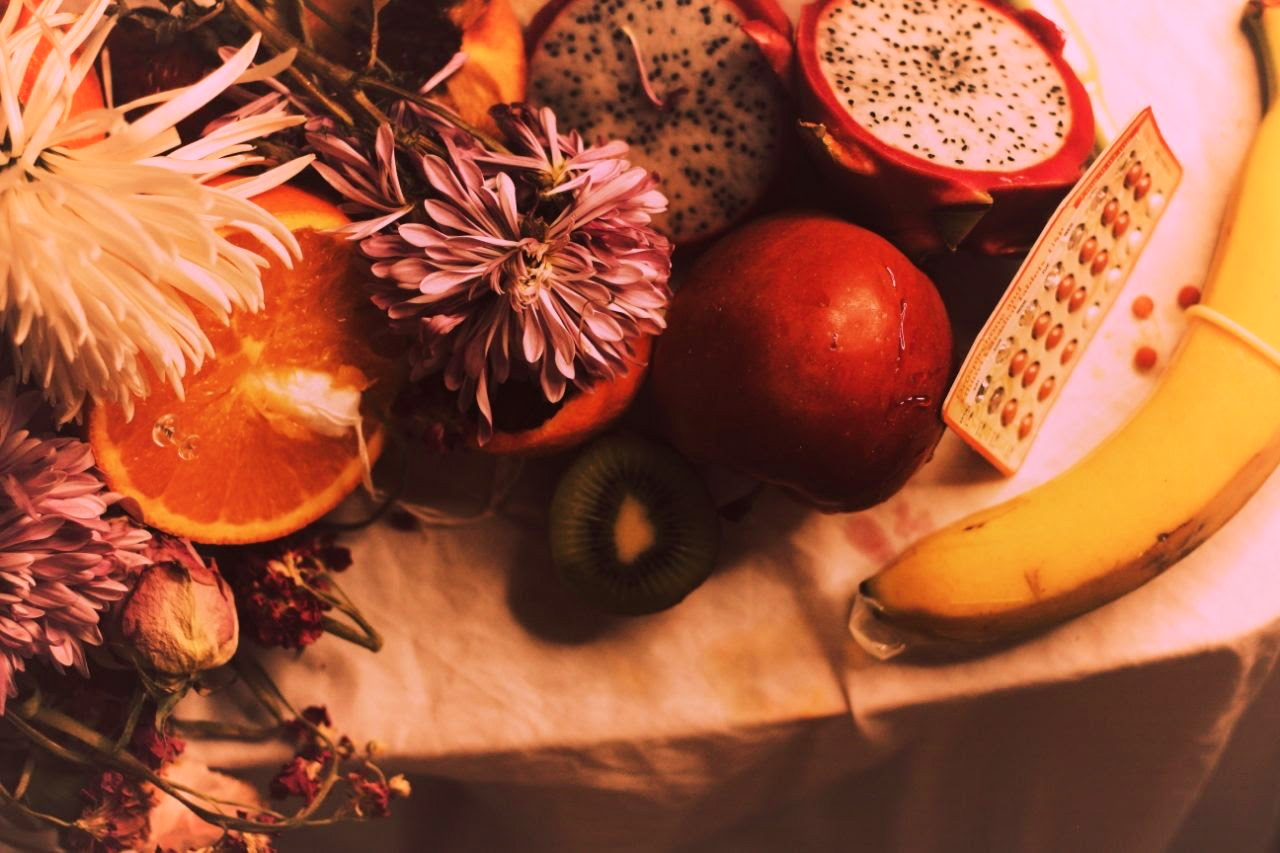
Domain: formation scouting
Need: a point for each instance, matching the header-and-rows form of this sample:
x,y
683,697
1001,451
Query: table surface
x,y
493,675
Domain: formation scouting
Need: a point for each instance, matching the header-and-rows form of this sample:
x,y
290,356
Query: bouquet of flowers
x,y
238,259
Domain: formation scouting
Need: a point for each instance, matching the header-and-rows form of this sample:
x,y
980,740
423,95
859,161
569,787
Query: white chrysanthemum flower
x,y
106,243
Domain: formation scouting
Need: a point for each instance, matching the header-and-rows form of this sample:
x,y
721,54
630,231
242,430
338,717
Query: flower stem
x,y
131,721
263,688
269,694
24,778
308,85
221,730
506,475
347,84
436,109
102,754
340,78
35,723
373,38
304,27
14,801
365,637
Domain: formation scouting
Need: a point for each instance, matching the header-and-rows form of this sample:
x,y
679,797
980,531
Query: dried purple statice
x,y
61,562
538,262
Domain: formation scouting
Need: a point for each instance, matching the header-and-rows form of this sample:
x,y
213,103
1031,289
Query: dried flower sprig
x,y
369,790
111,224
285,590
126,768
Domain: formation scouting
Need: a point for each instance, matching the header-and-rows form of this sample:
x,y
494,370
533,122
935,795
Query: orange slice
x,y
253,451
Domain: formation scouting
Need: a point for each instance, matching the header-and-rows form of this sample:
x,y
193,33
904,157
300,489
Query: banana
x,y
1186,461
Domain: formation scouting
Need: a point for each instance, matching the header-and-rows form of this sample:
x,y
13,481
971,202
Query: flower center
x,y
529,272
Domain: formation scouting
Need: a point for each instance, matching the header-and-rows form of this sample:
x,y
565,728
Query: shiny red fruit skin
x,y
809,353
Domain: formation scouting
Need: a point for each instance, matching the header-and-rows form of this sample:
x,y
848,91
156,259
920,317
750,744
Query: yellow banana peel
x,y
1185,462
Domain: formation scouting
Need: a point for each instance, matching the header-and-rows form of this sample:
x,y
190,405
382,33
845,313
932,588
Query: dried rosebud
x,y
180,617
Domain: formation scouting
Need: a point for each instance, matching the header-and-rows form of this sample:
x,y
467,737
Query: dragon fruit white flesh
x,y
692,85
950,121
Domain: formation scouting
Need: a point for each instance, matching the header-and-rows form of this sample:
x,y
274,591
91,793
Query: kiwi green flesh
x,y
621,494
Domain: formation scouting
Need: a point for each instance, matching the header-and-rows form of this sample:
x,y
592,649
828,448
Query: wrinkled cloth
x,y
747,719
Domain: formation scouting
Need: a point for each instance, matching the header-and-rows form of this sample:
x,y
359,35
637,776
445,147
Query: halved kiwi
x,y
633,529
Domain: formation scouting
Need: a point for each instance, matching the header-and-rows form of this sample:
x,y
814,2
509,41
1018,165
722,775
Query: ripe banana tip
x,y
877,638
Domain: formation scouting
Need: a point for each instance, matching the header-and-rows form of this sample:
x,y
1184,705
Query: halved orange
x,y
244,457
582,416
494,72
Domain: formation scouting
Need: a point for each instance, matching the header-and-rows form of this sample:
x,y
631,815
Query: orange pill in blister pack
x,y
1017,363
1009,412
1132,175
1088,250
1024,428
1030,374
1054,337
1099,262
1041,325
1069,351
1121,225
1078,299
1110,211
1142,187
1046,388
1065,286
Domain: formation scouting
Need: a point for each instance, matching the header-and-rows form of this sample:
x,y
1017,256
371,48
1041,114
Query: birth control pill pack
x,y
1028,348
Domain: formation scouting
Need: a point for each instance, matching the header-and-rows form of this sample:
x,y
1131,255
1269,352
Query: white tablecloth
x,y
747,719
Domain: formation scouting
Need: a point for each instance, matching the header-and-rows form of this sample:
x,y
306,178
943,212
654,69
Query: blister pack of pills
x,y
1028,348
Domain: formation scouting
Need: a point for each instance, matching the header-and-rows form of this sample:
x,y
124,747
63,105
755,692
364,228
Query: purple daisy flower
x,y
539,260
61,562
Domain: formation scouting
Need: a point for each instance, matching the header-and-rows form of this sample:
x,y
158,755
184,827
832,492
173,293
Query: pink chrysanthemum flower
x,y
60,561
540,261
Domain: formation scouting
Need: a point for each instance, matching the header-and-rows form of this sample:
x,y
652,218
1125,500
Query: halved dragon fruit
x,y
950,121
693,85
